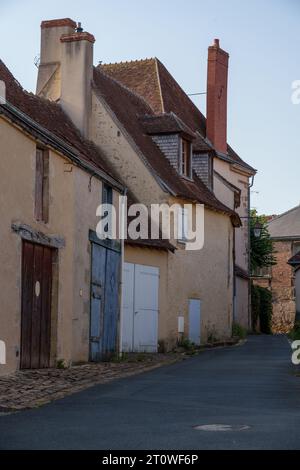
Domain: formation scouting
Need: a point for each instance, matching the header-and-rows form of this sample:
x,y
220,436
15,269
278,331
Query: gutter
x,y
122,273
249,254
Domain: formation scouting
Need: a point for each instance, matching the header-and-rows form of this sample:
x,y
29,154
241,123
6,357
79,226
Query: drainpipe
x,y
249,253
122,229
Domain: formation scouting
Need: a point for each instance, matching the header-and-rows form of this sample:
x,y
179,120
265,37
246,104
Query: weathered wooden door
x,y
140,308
105,281
36,306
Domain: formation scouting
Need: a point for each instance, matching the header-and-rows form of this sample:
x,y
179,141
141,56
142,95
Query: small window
x,y
185,158
42,185
107,194
183,224
107,198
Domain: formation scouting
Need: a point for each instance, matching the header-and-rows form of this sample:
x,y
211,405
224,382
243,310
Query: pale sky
x,y
261,36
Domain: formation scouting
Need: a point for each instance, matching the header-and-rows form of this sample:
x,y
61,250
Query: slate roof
x,y
150,79
287,225
129,107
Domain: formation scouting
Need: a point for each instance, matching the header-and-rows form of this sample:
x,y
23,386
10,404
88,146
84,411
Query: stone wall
x,y
283,291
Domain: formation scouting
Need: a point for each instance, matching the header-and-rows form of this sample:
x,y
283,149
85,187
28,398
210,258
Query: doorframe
x,y
57,242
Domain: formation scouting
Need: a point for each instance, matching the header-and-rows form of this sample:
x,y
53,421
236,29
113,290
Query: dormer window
x,y
185,163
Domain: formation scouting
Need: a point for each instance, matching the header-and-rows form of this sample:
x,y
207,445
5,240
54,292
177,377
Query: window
x,y
42,185
107,198
183,224
107,194
296,248
186,158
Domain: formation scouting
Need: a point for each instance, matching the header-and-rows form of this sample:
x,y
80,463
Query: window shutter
x,y
39,185
42,185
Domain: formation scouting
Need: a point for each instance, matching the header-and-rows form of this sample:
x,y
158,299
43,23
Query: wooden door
x,y
36,306
104,320
97,301
140,308
128,307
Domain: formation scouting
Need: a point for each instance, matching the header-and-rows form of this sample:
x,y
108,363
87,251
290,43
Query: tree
x,y
262,248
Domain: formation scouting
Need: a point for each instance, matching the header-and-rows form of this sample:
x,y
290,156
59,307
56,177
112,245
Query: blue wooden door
x,y
111,304
105,281
97,301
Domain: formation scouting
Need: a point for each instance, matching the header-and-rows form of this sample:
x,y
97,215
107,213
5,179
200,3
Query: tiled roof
x,y
128,107
51,117
141,76
287,225
151,80
201,145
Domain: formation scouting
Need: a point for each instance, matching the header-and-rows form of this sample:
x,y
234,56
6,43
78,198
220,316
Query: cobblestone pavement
x,y
32,388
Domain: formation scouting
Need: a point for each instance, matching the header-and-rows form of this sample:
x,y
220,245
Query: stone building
x,y
282,279
157,142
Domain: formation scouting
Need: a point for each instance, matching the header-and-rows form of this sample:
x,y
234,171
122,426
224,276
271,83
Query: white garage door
x,y
140,308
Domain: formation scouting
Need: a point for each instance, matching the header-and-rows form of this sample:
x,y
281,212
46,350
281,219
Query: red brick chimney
x,y
216,105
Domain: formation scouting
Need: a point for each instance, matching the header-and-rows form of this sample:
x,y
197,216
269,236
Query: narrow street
x,y
252,387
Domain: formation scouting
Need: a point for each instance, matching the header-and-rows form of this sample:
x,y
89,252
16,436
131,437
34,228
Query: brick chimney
x,y
216,105
66,69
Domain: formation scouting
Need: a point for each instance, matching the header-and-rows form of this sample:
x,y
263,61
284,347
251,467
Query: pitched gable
x,y
286,225
151,80
53,119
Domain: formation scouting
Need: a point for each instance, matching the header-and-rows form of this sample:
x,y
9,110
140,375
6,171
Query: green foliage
x,y
262,308
212,335
255,306
266,309
60,364
294,335
239,331
186,344
118,358
262,248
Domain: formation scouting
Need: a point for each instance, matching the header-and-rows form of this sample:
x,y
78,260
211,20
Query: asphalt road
x,y
253,385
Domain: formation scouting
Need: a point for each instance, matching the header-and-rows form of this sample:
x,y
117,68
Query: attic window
x,y
185,161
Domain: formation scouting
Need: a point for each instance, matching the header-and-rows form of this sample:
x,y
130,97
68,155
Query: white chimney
x,y
66,69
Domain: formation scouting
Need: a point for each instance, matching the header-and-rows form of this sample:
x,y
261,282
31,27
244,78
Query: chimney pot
x,y
217,43
79,29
